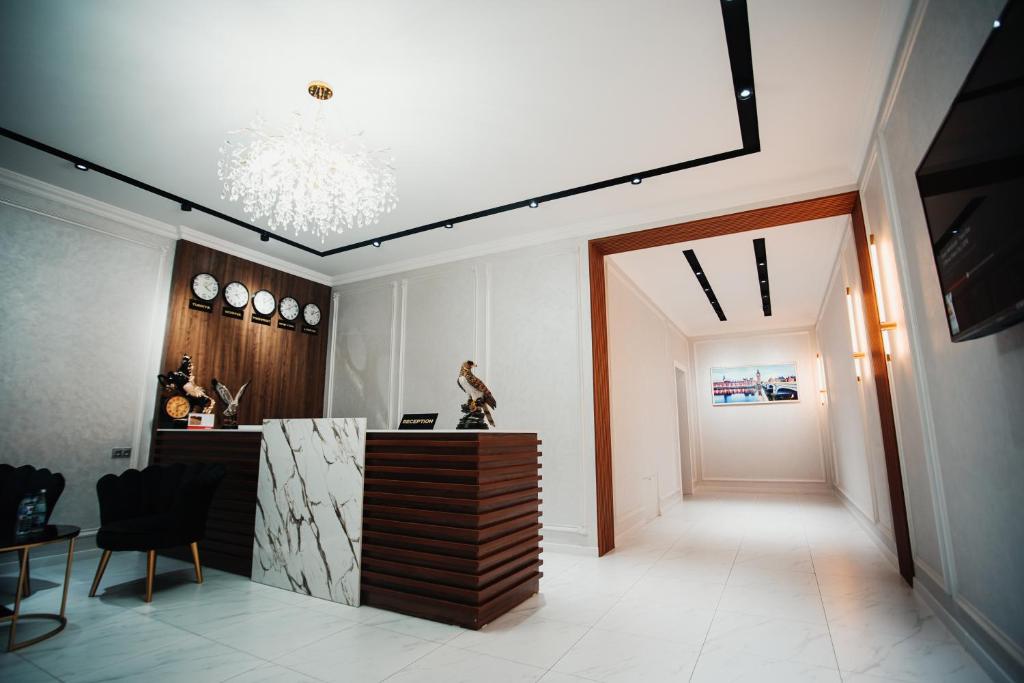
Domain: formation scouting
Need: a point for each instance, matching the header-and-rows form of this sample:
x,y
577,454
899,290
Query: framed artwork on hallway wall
x,y
755,383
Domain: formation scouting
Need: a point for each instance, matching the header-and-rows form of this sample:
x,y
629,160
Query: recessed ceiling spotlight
x,y
745,93
996,23
81,167
763,281
449,226
533,204
707,289
760,263
699,273
264,236
636,181
376,243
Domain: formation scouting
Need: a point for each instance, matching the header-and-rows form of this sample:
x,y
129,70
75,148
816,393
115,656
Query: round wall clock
x,y
311,314
264,302
289,308
177,407
236,295
205,287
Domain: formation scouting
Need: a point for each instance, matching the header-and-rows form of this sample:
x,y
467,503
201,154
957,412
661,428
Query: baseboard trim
x,y
993,651
759,486
569,549
885,544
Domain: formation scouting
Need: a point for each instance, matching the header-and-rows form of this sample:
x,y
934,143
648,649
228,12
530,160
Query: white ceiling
x,y
800,261
481,103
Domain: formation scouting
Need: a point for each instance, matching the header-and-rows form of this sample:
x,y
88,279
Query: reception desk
x,y
451,523
451,519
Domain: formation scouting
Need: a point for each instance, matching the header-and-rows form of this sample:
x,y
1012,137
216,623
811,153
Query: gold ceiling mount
x,y
320,90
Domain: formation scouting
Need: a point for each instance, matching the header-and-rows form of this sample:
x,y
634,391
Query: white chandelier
x,y
301,179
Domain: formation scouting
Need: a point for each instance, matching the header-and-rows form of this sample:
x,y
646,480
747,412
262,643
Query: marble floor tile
x,y
911,658
361,653
717,589
622,658
799,641
453,665
524,638
730,667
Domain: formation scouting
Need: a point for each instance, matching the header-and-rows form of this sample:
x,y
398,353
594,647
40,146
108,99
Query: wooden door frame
x,y
846,203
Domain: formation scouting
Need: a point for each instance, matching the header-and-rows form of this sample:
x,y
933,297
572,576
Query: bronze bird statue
x,y
480,397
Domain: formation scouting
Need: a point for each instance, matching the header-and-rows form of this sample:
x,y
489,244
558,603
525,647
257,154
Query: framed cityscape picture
x,y
749,384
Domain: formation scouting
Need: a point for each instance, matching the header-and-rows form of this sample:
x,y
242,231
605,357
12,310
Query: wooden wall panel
x,y
287,367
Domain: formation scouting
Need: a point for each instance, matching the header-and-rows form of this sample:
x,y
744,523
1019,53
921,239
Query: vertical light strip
x,y
854,341
822,387
876,275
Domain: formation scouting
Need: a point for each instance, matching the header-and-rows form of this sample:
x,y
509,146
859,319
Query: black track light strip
x,y
761,264
705,284
737,37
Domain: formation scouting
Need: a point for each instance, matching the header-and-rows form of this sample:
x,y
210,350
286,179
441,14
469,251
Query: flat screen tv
x,y
972,185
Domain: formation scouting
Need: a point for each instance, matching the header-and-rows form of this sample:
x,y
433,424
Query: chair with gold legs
x,y
162,506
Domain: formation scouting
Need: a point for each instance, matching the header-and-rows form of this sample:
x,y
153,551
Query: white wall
x,y
858,456
761,446
958,405
643,347
83,310
524,317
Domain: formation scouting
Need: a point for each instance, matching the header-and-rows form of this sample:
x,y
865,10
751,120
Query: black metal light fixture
x,y
702,280
761,259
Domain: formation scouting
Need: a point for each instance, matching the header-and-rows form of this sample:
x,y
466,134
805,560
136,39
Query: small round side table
x,y
53,533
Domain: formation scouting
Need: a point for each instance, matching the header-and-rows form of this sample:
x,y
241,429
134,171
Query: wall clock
x,y
177,407
264,303
236,295
289,308
205,287
311,314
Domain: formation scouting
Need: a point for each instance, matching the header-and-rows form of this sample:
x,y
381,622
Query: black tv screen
x,y
972,185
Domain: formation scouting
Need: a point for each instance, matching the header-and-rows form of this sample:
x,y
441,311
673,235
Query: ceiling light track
x,y
761,259
704,283
737,35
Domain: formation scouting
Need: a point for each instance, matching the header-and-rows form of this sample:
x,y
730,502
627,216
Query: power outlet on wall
x,y
120,453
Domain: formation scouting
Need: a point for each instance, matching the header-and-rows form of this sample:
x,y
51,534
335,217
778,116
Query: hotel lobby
x,y
559,342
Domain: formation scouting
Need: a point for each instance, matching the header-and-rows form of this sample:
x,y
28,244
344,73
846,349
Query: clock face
x,y
289,308
236,295
205,287
264,303
177,407
311,314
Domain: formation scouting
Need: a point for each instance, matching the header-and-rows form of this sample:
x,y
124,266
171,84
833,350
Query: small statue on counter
x,y
230,417
181,395
481,400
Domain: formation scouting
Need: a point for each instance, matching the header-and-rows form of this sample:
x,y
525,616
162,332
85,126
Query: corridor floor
x,y
720,588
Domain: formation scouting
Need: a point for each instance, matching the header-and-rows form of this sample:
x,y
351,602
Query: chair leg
x,y
99,573
23,555
195,561
150,570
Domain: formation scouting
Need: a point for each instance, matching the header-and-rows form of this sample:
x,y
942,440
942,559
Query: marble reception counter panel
x,y
309,512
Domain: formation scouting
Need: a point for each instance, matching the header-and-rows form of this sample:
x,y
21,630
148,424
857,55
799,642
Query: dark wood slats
x,y
232,518
451,524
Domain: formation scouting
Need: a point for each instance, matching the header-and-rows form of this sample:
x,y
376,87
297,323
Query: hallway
x,y
743,587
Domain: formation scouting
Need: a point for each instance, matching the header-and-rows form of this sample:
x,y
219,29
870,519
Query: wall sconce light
x,y
876,275
854,340
822,389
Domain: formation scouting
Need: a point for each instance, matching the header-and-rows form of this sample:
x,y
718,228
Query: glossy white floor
x,y
721,588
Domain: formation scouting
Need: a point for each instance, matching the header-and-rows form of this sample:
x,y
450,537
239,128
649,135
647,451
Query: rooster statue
x,y
478,407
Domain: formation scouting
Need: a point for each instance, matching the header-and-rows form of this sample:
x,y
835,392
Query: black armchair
x,y
160,507
15,484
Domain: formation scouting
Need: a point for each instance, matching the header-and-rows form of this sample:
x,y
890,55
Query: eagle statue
x,y
230,420
481,400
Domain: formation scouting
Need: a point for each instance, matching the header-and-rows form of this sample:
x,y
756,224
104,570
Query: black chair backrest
x,y
182,492
18,482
